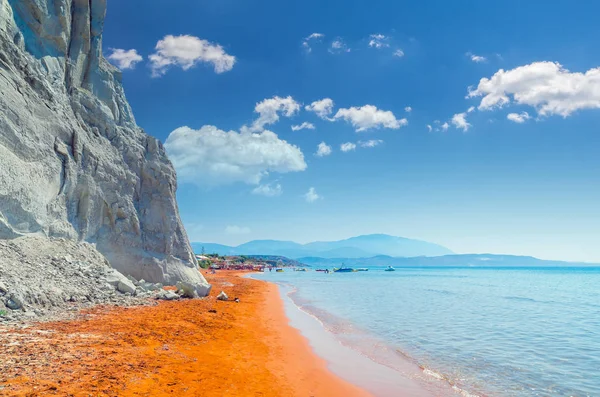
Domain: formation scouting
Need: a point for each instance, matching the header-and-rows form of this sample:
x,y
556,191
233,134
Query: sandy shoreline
x,y
182,348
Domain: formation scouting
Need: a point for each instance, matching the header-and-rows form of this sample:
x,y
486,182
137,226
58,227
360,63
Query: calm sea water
x,y
488,331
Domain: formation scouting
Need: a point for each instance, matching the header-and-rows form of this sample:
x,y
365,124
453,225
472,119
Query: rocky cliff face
x,y
73,162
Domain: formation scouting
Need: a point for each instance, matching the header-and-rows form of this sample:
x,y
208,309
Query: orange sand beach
x,y
187,348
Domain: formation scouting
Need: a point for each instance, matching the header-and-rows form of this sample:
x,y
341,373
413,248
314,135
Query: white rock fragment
x,y
126,287
222,296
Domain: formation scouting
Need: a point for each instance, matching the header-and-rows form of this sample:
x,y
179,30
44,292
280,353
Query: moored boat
x,y
344,269
279,270
390,269
362,269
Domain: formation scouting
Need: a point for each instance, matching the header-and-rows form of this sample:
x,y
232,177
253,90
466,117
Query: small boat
x,y
279,270
390,269
362,269
344,269
301,270
321,270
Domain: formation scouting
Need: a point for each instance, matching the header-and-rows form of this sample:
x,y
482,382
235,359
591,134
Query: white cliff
x,y
73,162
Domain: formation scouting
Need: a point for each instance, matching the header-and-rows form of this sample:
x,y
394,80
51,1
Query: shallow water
x,y
485,331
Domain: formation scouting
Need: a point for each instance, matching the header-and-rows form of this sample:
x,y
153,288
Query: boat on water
x,y
301,270
279,270
344,269
390,269
362,269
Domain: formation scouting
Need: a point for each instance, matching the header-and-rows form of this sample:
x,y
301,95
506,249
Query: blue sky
x,y
236,75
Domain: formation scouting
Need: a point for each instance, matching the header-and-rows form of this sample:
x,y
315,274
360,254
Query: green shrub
x,y
204,264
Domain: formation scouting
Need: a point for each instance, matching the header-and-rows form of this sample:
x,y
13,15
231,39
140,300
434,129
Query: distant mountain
x,y
355,247
468,260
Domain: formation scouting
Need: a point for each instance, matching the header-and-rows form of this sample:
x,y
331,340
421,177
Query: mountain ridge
x,y
353,247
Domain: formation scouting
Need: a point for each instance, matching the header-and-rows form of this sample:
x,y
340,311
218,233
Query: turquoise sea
x,y
484,331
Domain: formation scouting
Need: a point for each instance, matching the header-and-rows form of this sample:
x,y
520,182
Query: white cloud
x,y
368,116
311,196
518,117
307,40
398,53
233,229
378,41
370,143
460,121
303,126
471,109
347,147
429,128
408,109
337,46
445,127
323,150
210,156
476,58
315,36
546,86
322,108
125,59
268,190
186,51
269,110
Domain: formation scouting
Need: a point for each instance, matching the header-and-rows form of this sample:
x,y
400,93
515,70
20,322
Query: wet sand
x,y
173,348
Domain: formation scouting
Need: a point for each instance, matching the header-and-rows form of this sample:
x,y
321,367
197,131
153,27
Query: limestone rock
x,y
189,290
222,296
126,287
3,289
73,162
14,302
168,295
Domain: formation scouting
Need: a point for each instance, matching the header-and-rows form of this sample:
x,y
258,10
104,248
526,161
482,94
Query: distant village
x,y
244,262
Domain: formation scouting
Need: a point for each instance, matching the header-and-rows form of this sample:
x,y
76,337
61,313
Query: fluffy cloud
x,y
323,150
518,117
398,53
307,40
210,156
408,109
311,196
429,128
303,126
269,110
347,147
445,127
237,230
187,51
337,46
460,121
368,116
124,59
322,108
378,41
546,86
370,143
268,190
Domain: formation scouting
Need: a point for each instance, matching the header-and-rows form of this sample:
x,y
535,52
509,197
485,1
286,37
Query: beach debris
x,y
237,300
222,296
212,311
